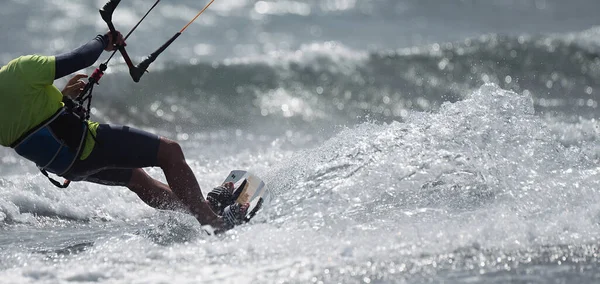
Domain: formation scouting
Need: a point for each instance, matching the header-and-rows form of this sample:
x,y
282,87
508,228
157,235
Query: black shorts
x,y
118,150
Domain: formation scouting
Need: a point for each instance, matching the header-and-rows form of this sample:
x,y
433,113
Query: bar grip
x,y
138,71
107,11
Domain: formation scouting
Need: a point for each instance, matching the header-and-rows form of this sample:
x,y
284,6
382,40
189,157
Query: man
x,y
35,122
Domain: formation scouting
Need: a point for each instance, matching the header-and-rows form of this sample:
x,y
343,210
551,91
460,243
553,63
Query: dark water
x,y
406,142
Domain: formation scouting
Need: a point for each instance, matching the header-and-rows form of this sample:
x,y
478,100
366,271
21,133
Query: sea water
x,y
403,141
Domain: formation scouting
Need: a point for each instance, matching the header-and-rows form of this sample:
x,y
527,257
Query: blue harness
x,y
46,145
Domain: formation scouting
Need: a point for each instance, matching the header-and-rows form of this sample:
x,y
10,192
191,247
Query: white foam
x,y
588,39
29,196
317,56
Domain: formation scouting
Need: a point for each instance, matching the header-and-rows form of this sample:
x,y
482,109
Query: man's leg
x,y
157,194
122,147
183,183
153,192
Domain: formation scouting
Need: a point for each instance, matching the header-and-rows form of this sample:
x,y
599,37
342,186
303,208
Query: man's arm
x,y
82,57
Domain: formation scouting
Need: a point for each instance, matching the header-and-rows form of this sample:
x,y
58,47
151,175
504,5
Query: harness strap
x,y
65,184
80,147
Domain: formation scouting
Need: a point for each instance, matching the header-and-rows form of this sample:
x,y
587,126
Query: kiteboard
x,y
249,188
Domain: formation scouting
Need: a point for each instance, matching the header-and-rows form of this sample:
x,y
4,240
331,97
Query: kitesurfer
x,y
42,124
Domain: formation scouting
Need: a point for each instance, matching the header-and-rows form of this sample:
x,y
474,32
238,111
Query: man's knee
x,y
169,151
139,178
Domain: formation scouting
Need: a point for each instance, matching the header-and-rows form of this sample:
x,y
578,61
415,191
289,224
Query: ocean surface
x,y
405,141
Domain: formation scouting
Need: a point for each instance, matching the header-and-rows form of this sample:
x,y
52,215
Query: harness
x,y
56,143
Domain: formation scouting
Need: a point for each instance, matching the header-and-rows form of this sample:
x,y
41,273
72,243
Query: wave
x,y
487,159
329,83
29,199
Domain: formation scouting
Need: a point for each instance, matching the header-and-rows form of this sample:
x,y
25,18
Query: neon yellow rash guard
x,y
28,97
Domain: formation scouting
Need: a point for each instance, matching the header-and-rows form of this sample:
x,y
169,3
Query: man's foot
x,y
221,197
235,214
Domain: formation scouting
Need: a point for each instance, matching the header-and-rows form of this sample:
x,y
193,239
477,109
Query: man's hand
x,y
75,86
114,44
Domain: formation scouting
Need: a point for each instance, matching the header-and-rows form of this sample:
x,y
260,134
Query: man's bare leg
x,y
183,183
153,192
158,195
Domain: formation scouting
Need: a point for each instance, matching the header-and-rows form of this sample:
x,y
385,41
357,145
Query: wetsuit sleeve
x,y
80,58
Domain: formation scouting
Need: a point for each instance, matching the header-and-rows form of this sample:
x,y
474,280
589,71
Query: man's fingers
x,y
77,85
76,79
79,77
121,40
112,42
